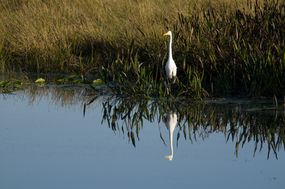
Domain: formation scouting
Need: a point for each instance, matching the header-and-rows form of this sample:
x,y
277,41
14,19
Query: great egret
x,y
170,121
170,67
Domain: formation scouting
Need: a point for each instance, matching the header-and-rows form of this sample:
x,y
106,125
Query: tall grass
x,y
221,47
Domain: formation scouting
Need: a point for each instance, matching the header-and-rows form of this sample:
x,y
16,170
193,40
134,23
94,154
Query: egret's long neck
x,y
171,140
170,47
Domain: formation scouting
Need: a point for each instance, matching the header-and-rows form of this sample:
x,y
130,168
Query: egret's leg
x,y
167,91
174,79
167,84
169,87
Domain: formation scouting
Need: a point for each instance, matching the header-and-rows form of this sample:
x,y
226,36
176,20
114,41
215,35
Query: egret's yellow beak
x,y
167,33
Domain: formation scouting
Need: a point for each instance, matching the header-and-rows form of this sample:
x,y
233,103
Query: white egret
x,y
170,121
170,67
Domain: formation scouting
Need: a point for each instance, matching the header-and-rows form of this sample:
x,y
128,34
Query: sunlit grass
x,y
221,47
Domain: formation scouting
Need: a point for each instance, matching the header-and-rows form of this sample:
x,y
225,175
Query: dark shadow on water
x,y
241,121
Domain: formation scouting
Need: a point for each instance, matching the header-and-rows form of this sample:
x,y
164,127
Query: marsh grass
x,y
9,86
221,47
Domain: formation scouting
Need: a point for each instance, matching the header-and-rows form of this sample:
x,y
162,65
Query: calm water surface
x,y
46,142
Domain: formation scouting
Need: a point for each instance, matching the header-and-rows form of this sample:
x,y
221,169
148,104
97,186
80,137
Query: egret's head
x,y
169,157
168,33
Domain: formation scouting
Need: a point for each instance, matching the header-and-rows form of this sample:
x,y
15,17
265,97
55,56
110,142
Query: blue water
x,y
47,145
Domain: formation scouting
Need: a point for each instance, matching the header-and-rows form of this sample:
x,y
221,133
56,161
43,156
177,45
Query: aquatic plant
x,y
9,86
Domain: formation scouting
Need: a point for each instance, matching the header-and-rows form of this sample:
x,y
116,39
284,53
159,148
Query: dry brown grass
x,y
46,27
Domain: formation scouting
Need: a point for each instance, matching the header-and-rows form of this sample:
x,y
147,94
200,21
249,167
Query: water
x,y
46,142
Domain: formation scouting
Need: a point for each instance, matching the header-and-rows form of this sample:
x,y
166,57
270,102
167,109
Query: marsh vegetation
x,y
221,47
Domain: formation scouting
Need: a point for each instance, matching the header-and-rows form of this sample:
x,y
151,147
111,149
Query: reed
x,y
221,47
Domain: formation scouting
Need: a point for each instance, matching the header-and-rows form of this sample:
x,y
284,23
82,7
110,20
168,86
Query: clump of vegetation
x,y
9,86
221,47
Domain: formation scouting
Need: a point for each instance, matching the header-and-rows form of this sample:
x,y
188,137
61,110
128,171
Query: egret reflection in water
x,y
170,121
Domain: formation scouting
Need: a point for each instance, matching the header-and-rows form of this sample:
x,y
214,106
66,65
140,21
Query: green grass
x,y
221,47
9,86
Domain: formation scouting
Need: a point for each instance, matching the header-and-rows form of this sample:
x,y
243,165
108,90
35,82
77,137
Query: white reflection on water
x,y
170,121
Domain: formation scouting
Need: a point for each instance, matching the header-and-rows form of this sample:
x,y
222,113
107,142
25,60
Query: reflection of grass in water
x,y
242,122
222,47
64,96
199,120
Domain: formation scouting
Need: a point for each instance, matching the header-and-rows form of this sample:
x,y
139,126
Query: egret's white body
x,y
170,121
170,67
